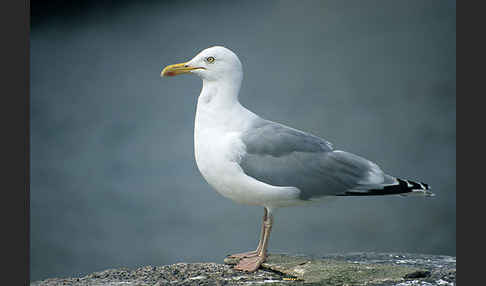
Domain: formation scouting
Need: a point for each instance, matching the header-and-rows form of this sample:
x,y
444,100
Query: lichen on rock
x,y
335,272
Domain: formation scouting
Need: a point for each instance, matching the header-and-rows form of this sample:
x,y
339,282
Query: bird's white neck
x,y
218,106
220,94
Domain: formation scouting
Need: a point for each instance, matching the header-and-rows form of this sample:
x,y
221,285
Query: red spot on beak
x,y
170,74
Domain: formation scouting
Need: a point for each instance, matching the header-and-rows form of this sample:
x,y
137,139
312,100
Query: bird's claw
x,y
250,264
244,254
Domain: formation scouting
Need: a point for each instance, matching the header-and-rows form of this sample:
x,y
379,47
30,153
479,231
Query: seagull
x,y
255,161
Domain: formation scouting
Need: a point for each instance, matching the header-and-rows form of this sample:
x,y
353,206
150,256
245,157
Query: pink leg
x,y
254,252
251,264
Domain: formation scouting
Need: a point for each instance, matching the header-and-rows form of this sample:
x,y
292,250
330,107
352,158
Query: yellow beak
x,y
173,70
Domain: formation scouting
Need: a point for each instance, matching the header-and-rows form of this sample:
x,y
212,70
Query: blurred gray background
x,y
113,177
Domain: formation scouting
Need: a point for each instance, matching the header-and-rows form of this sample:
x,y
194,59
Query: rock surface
x,y
379,269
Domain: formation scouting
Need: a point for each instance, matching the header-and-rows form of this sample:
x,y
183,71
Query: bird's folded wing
x,y
282,156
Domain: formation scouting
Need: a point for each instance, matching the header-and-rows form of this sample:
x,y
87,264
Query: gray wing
x,y
282,156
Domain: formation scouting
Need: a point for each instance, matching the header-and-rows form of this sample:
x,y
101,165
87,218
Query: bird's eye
x,y
210,59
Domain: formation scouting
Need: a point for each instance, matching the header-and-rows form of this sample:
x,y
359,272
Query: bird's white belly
x,y
218,163
217,156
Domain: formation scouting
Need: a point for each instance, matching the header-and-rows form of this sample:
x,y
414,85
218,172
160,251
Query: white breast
x,y
217,153
218,150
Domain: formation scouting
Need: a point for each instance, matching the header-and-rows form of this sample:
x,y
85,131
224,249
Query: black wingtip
x,y
403,187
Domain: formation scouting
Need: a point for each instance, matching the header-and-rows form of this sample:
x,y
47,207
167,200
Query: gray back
x,y
282,156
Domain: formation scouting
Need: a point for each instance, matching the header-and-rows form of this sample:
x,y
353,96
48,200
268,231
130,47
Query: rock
x,y
363,269
340,269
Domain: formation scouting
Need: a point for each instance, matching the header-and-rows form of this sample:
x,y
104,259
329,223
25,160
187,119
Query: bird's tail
x,y
402,187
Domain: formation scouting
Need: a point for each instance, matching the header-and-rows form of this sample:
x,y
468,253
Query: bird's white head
x,y
212,64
